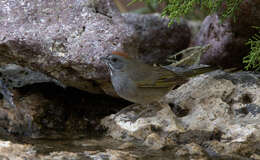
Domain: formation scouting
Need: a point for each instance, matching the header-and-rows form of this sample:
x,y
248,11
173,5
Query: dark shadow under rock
x,y
47,110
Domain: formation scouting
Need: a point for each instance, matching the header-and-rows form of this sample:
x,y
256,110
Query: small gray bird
x,y
142,83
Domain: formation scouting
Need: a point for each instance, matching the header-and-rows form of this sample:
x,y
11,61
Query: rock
x,y
228,38
150,129
7,95
113,154
194,26
213,101
255,156
156,39
15,76
191,149
154,141
233,150
14,151
65,39
104,149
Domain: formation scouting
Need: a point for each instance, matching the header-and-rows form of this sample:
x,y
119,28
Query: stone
x,y
228,38
154,141
15,151
14,76
64,40
149,129
212,102
191,149
156,39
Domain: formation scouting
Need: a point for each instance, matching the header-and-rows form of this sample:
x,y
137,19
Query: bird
x,y
143,83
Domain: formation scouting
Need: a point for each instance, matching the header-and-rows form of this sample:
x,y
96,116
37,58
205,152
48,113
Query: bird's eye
x,y
114,59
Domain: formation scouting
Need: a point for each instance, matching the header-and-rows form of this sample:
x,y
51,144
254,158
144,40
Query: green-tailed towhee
x,y
142,83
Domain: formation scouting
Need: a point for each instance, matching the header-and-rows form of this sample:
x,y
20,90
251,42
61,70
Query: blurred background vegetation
x,y
196,10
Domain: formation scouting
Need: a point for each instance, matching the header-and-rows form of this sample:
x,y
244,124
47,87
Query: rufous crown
x,y
120,54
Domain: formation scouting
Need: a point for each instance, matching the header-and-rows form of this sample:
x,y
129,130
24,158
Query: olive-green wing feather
x,y
165,79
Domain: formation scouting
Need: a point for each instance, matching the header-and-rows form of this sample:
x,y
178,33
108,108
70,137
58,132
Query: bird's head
x,y
117,61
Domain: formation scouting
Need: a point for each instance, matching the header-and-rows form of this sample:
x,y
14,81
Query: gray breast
x,y
127,89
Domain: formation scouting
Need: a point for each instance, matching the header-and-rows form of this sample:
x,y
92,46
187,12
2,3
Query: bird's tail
x,y
192,72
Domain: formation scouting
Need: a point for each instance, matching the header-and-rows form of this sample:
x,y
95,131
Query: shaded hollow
x,y
48,110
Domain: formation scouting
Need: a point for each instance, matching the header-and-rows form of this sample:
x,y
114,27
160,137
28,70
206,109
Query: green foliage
x,y
253,59
177,8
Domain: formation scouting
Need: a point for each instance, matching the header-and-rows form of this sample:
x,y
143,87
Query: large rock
x,y
225,102
218,109
228,38
156,39
14,76
65,39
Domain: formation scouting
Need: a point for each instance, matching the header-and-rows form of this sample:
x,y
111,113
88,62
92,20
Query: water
x,y
102,144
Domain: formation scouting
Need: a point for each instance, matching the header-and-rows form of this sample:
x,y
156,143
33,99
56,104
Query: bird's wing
x,y
162,78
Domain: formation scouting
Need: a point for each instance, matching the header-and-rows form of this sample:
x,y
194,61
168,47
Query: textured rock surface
x,y
151,129
156,39
222,121
228,39
14,76
65,39
62,39
217,101
219,107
